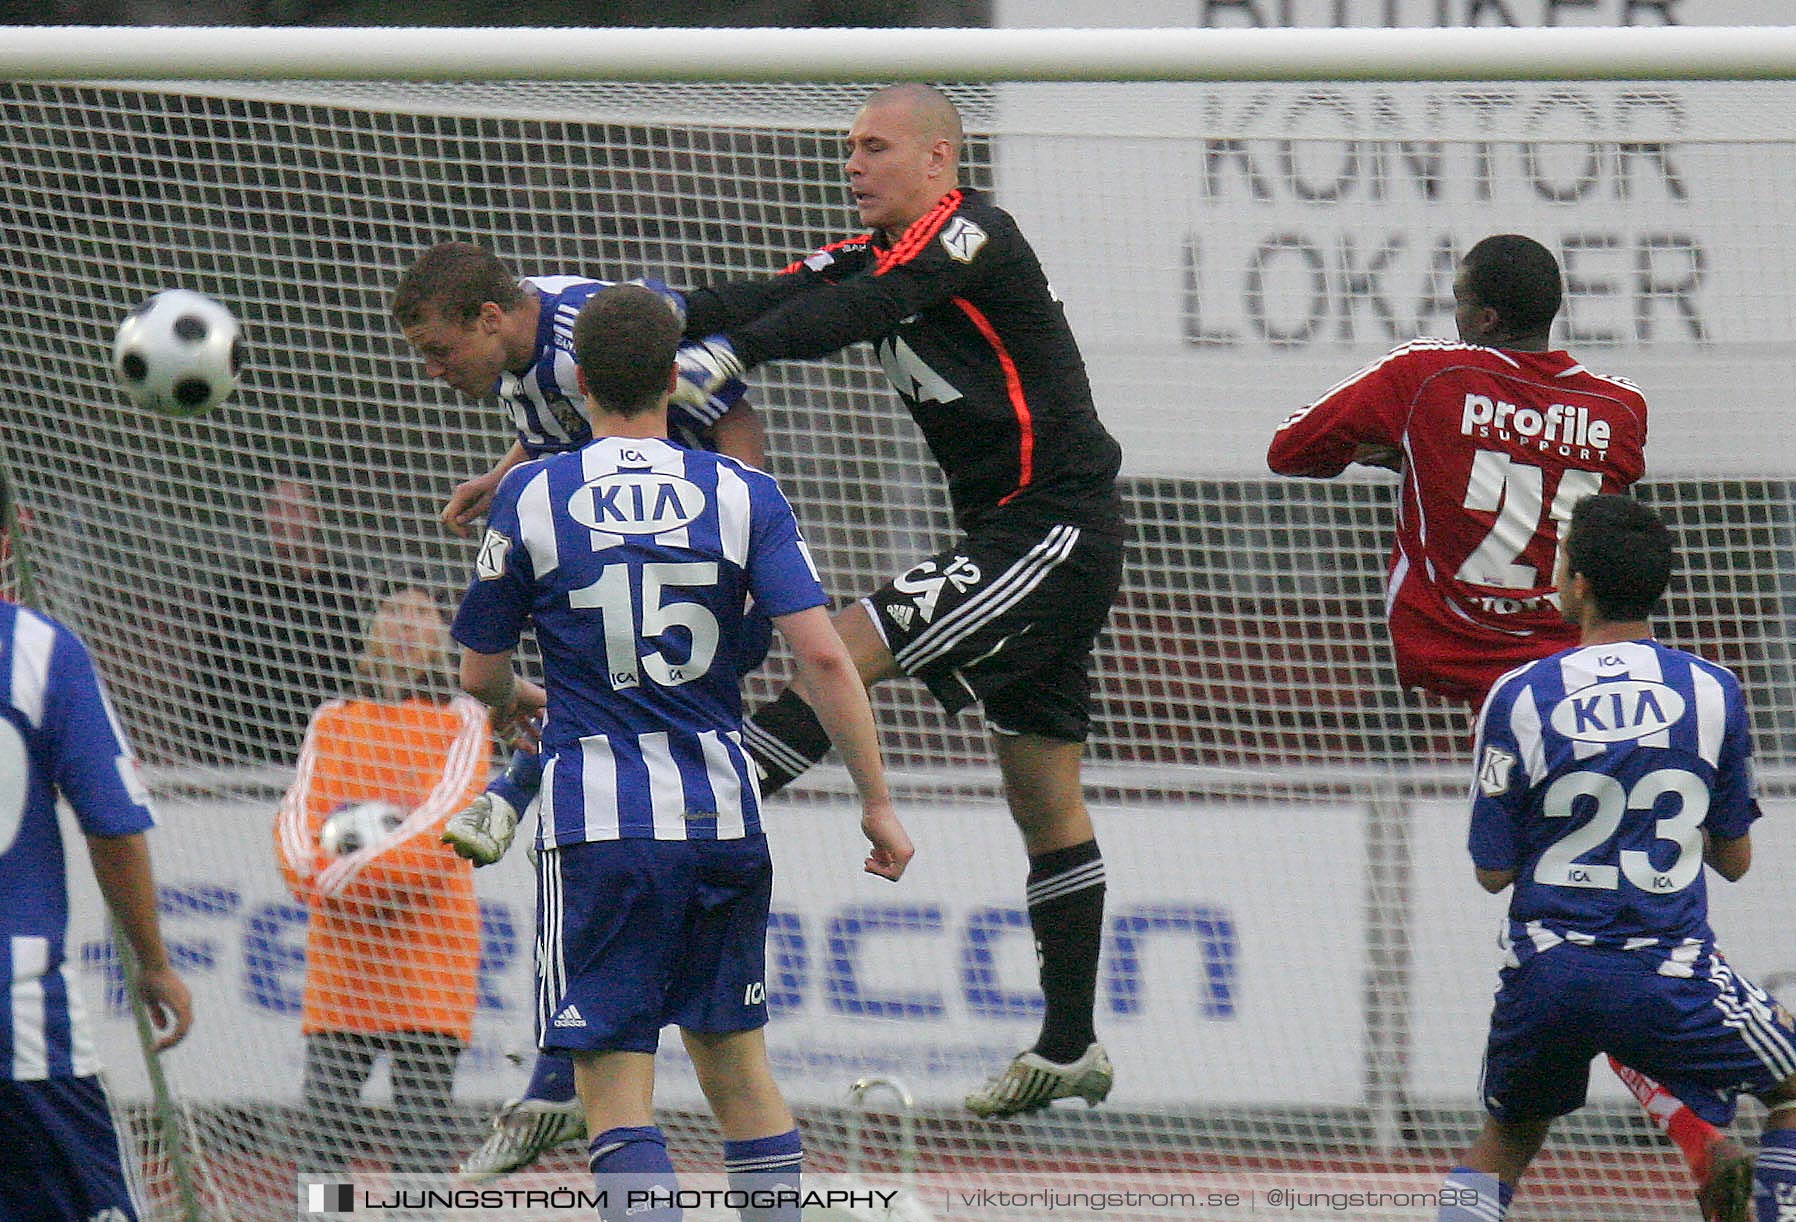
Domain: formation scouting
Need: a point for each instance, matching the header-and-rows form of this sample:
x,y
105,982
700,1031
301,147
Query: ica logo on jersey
x,y
1571,432
637,503
1619,711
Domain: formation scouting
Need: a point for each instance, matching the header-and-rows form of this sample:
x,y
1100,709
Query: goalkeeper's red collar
x,y
921,233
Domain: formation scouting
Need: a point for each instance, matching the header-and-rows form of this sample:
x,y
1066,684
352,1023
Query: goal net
x,y
1297,966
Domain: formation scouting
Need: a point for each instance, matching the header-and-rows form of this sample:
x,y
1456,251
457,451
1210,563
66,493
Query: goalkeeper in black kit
x,y
957,306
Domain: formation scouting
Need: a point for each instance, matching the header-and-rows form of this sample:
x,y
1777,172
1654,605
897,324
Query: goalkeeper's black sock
x,y
784,739
1066,911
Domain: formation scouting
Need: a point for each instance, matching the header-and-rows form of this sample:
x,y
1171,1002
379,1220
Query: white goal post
x,y
1297,964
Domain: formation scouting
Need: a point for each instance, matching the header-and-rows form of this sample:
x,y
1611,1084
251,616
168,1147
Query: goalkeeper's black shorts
x,y
1008,618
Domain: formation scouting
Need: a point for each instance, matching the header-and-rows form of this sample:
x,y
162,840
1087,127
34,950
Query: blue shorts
x,y
60,1157
1706,1037
636,934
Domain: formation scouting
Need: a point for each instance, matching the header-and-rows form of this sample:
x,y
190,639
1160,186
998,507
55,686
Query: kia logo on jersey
x,y
1618,712
637,503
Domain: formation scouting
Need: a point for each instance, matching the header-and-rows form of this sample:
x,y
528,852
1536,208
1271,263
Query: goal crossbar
x,y
772,54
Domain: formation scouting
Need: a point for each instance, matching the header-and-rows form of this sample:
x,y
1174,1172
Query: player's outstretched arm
x,y
721,306
122,869
834,691
1360,421
514,704
472,497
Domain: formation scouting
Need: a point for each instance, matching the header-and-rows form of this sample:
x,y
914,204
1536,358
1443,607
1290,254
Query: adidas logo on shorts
x,y
570,1017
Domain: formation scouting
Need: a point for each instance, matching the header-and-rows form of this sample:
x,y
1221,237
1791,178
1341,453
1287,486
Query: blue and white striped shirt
x,y
1599,770
545,401
57,735
635,560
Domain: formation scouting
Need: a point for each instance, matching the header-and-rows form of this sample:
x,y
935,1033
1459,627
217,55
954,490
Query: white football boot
x,y
523,1129
1031,1082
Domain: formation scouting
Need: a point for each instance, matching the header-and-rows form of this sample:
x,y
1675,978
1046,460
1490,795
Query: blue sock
x,y
768,1167
520,780
1474,1196
631,1168
552,1078
1774,1176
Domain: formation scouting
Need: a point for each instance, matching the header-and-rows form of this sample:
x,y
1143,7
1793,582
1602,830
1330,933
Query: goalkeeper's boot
x,y
522,1130
482,830
1031,1081
1726,1192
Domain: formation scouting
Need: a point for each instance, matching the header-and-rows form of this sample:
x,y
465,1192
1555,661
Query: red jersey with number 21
x,y
1497,447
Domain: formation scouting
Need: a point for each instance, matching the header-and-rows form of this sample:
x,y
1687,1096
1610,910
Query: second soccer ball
x,y
356,825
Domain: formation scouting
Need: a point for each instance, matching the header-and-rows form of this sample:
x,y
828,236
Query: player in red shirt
x,y
1496,437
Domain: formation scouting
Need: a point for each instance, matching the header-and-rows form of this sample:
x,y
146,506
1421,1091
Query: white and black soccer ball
x,y
178,353
356,825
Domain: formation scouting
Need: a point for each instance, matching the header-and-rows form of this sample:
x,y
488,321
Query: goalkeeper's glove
x,y
676,300
482,831
705,365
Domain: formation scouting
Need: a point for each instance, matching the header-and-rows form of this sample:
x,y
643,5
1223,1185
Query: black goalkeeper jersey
x,y
974,342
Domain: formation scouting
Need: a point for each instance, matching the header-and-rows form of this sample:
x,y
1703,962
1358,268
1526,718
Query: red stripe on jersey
x,y
798,265
1013,386
921,233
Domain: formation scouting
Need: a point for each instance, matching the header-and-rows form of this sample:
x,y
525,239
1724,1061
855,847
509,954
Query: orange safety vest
x,y
393,942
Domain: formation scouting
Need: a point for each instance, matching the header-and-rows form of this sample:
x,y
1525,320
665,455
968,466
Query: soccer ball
x,y
178,353
356,825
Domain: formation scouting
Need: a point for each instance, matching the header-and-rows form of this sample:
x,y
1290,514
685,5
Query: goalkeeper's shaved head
x,y
624,342
903,155
937,117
